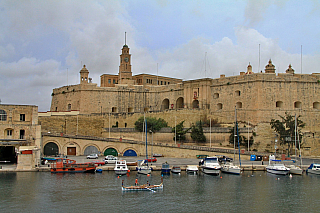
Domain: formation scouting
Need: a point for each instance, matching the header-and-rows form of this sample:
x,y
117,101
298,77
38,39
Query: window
x,y
22,117
21,134
69,107
279,104
114,81
297,105
239,105
316,105
3,115
216,95
109,81
219,106
9,132
238,93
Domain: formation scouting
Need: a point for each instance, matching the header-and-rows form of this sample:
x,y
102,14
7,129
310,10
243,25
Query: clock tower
x,y
125,65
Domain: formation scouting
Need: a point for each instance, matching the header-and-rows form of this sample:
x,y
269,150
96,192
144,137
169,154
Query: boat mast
x,y
238,137
234,133
146,141
295,137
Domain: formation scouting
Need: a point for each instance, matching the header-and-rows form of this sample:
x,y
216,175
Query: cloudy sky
x,y
43,44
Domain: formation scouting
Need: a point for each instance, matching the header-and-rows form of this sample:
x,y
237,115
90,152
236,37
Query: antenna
x,y
157,75
67,77
301,59
205,64
125,38
259,59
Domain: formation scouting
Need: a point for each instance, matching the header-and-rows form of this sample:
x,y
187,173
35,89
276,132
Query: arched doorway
x,y
165,104
130,152
195,104
91,150
110,151
51,149
179,103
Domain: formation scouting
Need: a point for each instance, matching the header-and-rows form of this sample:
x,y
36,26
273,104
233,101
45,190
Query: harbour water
x,y
101,192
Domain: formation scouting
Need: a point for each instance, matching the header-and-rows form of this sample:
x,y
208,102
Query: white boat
x,y
121,167
295,170
276,167
211,166
176,169
143,167
192,169
314,168
230,168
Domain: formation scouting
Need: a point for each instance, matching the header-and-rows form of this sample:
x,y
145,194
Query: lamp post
x,y
151,143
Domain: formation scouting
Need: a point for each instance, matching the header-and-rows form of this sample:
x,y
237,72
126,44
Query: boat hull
x,y
315,172
144,171
235,171
73,170
295,171
121,172
211,171
176,170
142,188
278,172
165,171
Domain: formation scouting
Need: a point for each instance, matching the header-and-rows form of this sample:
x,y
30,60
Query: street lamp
x,y
151,143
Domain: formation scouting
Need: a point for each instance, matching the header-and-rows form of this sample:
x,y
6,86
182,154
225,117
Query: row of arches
x,y
178,105
52,149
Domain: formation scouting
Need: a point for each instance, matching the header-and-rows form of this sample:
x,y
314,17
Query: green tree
x,y
181,133
153,124
197,133
286,129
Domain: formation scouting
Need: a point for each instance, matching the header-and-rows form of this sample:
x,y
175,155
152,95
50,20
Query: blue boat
x,y
165,169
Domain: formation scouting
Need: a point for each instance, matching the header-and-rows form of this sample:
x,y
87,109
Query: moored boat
x,y
176,169
276,167
295,170
211,166
230,168
192,169
143,168
314,168
165,169
62,165
121,167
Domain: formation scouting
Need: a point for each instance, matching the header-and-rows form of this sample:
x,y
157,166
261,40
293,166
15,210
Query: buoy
x,y
148,175
220,177
118,176
128,170
290,175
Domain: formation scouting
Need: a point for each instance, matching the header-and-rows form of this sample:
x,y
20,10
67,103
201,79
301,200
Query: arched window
x,y
216,95
195,104
3,115
165,104
179,103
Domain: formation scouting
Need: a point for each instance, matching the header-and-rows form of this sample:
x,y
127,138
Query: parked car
x,y
93,156
110,159
222,158
151,159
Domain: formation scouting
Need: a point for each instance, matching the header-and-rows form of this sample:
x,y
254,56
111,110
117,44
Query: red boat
x,y
62,165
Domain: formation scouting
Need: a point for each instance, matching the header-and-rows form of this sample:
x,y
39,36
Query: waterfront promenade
x,y
246,165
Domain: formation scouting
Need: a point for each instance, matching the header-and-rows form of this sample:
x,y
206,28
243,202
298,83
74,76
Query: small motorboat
x,y
165,169
121,167
314,168
230,168
176,169
294,169
192,169
210,166
277,168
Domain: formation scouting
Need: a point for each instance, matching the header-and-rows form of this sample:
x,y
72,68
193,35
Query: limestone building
x,y
258,97
20,135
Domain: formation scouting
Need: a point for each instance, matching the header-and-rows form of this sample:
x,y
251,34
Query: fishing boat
x,y
62,165
121,167
192,169
143,167
165,169
144,187
230,168
176,169
314,168
211,166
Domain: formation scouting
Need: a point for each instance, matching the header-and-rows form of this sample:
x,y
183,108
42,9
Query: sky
x,y
45,43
